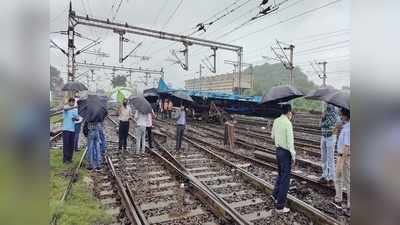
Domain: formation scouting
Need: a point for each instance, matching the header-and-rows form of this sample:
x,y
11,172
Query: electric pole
x,y
290,67
71,46
286,61
323,77
200,78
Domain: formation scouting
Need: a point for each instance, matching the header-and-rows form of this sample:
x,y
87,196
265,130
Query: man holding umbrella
x,y
328,139
143,109
94,111
70,116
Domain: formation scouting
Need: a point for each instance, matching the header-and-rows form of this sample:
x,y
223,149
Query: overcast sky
x,y
319,31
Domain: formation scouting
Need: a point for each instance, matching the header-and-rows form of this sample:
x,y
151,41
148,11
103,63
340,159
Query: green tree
x,y
118,81
55,78
268,75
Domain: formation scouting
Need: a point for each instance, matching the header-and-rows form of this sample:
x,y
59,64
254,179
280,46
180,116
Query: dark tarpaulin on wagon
x,y
151,95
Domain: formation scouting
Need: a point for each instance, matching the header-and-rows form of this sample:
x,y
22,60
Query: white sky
x,y
312,34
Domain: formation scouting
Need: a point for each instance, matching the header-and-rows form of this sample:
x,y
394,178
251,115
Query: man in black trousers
x,y
282,134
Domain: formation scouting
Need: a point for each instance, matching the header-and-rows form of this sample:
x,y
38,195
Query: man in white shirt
x,y
141,122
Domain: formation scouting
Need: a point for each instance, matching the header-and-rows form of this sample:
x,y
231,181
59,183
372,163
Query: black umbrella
x,y
320,92
93,108
74,86
339,99
281,93
140,104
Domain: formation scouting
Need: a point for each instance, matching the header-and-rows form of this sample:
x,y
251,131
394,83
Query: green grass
x,y
56,119
81,207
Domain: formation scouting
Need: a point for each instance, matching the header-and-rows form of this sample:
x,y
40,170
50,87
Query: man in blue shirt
x,y
70,115
343,160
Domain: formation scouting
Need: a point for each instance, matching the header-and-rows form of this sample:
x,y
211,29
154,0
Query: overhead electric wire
x,y
252,20
58,15
323,46
172,15
159,12
194,28
286,20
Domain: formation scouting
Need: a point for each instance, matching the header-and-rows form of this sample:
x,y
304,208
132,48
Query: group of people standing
x,y
92,130
165,106
335,132
144,124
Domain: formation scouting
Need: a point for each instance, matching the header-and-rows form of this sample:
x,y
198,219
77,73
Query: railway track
x,y
246,185
163,194
303,127
302,145
308,165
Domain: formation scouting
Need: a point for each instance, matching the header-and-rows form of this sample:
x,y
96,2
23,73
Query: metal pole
x,y
121,47
200,78
240,56
291,47
324,73
71,46
323,105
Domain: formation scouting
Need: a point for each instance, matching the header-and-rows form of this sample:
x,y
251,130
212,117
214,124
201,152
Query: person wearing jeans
x,y
93,155
328,139
282,134
180,127
141,122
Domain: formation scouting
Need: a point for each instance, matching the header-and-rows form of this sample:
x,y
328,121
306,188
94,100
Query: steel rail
x,y
216,204
73,178
260,148
317,216
126,200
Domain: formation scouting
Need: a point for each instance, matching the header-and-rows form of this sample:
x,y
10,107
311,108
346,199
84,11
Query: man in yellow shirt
x,y
282,134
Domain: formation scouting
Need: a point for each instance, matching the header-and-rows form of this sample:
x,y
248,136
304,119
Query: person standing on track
x,y
124,114
343,161
230,132
282,134
94,149
328,139
180,127
165,109
149,127
170,106
70,116
77,125
141,123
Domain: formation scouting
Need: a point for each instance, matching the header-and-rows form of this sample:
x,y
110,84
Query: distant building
x,y
219,83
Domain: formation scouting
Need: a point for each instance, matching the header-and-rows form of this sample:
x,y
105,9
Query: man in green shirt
x,y
282,134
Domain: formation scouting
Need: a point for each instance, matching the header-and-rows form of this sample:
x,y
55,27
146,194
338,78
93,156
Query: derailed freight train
x,y
212,105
